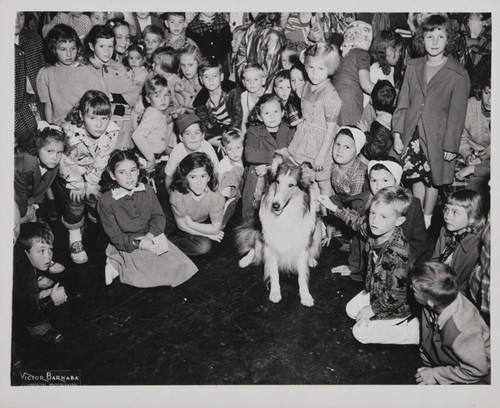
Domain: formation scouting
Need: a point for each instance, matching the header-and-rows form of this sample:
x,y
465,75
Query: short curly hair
x,y
430,24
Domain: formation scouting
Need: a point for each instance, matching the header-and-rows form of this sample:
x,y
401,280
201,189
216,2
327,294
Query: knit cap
x,y
186,120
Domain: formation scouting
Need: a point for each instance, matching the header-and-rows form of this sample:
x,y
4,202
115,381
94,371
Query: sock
x,y
427,220
75,235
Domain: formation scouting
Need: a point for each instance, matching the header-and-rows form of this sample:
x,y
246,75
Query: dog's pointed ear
x,y
278,160
307,175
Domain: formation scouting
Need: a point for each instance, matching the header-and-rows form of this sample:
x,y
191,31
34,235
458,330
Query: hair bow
x,y
42,125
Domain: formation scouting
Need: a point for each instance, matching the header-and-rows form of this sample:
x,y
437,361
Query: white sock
x,y
110,273
75,235
427,220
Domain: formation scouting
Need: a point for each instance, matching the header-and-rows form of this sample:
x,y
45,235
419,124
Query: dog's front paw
x,y
307,300
275,297
312,262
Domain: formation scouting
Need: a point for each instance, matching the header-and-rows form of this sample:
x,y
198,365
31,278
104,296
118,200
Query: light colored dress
x,y
318,107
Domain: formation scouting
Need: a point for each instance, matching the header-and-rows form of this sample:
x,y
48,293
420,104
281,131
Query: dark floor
x,y
217,328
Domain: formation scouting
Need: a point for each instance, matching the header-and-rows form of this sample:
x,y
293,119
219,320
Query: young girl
x,y
320,107
353,76
100,48
36,167
289,101
166,64
61,84
135,60
154,136
197,206
92,137
429,118
132,218
189,59
298,77
385,53
121,29
266,134
459,241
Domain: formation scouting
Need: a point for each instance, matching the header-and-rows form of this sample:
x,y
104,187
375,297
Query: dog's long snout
x,y
276,206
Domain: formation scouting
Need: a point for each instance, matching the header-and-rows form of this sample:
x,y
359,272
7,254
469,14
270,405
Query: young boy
x,y
455,345
153,38
253,78
382,311
231,171
175,36
218,104
34,294
379,139
192,136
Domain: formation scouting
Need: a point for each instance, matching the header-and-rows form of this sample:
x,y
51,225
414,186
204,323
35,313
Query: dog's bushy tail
x,y
248,236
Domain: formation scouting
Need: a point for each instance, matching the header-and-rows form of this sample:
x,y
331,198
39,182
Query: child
x,y
121,29
175,37
218,104
253,79
289,55
62,84
231,171
36,167
353,75
382,311
100,48
212,34
379,138
455,345
298,76
32,257
132,218
383,173
320,107
154,137
97,17
152,36
267,134
476,139
386,51
166,64
92,136
78,21
135,59
192,139
197,206
459,241
289,100
189,61
429,118
141,21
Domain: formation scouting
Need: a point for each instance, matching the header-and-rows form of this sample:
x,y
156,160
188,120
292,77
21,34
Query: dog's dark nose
x,y
276,206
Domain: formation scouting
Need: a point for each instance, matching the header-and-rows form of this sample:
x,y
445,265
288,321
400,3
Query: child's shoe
x,y
78,254
56,267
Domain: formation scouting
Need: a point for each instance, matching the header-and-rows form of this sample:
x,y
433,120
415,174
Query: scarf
x,y
452,244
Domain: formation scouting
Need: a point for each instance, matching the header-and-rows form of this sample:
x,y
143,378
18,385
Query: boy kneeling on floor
x,y
455,346
35,294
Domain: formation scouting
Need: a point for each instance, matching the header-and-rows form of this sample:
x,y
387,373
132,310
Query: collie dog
x,y
288,236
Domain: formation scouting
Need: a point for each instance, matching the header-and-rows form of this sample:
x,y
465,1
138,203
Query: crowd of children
x,y
162,127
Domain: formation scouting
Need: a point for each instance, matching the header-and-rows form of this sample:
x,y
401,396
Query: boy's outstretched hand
x,y
424,376
327,203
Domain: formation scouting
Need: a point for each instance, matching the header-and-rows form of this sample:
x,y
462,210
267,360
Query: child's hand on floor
x,y
424,376
58,294
364,315
342,269
327,203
